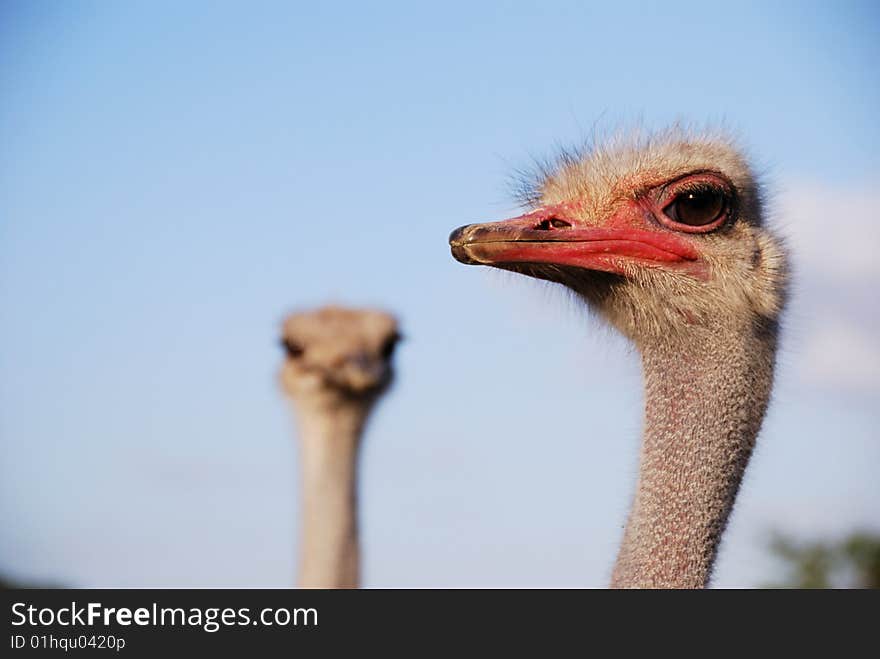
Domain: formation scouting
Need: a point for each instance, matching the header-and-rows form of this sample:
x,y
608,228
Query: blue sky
x,y
174,179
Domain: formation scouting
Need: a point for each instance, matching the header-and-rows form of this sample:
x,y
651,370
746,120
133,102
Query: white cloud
x,y
842,355
833,229
834,234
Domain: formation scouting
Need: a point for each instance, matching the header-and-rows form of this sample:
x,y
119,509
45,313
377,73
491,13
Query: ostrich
x,y
337,365
665,238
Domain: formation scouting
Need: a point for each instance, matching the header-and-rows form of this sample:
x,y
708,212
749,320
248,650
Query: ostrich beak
x,y
546,237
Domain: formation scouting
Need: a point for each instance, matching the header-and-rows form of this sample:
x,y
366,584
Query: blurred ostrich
x,y
337,365
665,237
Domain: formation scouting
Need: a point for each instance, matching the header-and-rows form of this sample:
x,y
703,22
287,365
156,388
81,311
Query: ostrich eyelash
x,y
698,188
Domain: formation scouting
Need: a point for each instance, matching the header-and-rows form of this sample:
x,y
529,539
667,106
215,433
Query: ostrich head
x,y
336,355
663,236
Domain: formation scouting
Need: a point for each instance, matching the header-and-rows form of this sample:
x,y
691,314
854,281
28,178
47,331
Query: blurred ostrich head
x,y
335,355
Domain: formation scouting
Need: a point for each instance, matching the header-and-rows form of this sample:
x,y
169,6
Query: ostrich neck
x,y
703,409
329,442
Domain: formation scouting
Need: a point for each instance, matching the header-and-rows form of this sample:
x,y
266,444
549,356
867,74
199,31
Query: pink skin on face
x,y
556,235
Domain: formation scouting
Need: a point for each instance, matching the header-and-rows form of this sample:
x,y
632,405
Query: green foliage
x,y
853,562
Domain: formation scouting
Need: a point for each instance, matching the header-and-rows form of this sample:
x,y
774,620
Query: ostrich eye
x,y
293,349
698,207
389,346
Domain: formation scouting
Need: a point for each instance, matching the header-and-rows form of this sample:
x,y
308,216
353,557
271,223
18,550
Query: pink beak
x,y
532,238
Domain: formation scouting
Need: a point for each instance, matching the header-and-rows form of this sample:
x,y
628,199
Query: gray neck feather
x,y
704,404
329,446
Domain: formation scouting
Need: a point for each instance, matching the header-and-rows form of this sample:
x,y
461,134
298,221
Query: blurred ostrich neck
x,y
705,399
329,436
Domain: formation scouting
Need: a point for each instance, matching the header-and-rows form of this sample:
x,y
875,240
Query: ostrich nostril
x,y
552,223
